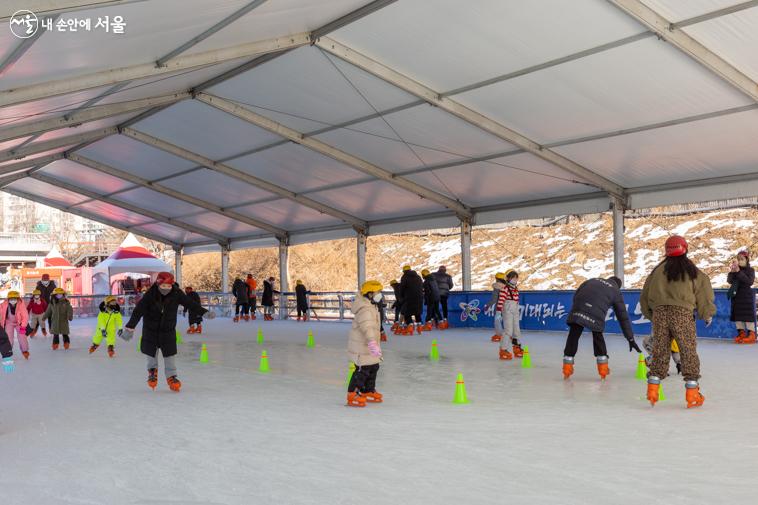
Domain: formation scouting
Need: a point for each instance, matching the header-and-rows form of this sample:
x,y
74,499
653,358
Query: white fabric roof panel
x,y
48,191
152,30
114,213
489,183
84,127
295,167
38,110
226,192
157,202
288,215
451,43
178,235
85,177
636,84
733,37
304,83
135,157
432,134
703,149
218,136
221,225
678,10
375,200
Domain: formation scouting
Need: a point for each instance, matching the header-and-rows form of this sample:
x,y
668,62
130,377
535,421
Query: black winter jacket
x,y
267,300
743,303
159,319
444,282
47,291
412,291
431,290
241,291
301,294
591,303
398,297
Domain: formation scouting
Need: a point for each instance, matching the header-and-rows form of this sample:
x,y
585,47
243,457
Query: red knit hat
x,y
165,278
676,246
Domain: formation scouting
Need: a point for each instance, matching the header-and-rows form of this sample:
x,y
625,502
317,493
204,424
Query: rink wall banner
x,y
547,311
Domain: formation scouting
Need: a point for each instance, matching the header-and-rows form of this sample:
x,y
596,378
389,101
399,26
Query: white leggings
x,y
744,325
509,324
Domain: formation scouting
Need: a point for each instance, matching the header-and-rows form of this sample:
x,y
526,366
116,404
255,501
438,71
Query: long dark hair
x,y
678,268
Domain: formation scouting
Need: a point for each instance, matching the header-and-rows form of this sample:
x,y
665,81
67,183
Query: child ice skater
x,y
109,324
13,319
60,312
195,318
363,346
508,306
36,309
159,307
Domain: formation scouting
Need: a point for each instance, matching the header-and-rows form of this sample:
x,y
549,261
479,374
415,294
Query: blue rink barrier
x,y
547,311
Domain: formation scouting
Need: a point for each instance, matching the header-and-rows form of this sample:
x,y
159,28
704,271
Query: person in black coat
x,y
412,293
445,284
195,318
301,294
398,303
46,288
267,300
431,299
589,309
742,296
158,310
241,293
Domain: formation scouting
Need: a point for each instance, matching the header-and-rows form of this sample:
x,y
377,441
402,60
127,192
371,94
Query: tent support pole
x,y
466,254
284,258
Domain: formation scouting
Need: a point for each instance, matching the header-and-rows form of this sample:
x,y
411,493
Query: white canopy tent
x,y
227,124
130,257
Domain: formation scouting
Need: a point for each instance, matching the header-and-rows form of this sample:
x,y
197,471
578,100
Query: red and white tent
x,y
130,257
55,259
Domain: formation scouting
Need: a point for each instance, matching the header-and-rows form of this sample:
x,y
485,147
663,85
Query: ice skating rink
x,y
81,429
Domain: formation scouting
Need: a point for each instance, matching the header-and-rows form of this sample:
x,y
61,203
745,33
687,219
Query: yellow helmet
x,y
371,286
406,268
59,291
500,276
13,294
393,282
109,299
298,282
36,292
424,272
511,273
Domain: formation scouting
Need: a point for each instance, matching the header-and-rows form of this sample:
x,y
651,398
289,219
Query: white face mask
x,y
514,282
377,297
58,297
45,283
12,302
36,297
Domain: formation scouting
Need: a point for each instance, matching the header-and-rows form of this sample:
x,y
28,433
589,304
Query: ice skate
x,y
199,329
298,319
152,378
236,319
33,333
191,329
398,330
692,394
55,346
355,400
382,336
174,383
373,397
750,338
26,354
408,330
740,336
505,355
653,389
602,367
444,325
247,318
66,344
419,328
253,317
496,338
568,367
44,332
518,351
395,327
111,351
428,326
93,348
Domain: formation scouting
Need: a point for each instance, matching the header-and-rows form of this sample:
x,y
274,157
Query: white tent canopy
x,y
288,121
130,257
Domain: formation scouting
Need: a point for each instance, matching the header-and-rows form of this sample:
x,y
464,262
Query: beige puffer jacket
x,y
366,327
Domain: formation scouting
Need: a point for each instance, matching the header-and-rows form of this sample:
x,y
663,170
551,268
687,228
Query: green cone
x,y
260,335
350,374
263,368
179,338
434,352
460,391
204,354
641,368
310,342
526,360
661,396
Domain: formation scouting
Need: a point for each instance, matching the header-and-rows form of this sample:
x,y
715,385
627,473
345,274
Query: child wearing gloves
x,y
109,324
363,346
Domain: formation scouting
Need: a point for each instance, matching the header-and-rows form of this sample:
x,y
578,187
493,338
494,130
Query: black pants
x,y
363,379
409,314
239,306
397,314
195,319
253,300
302,310
433,311
66,340
572,342
443,303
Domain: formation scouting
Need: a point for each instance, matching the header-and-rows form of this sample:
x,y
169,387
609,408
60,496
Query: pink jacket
x,y
22,316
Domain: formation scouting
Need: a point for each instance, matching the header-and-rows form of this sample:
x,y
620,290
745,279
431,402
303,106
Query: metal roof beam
x,y
86,115
242,176
86,215
159,188
334,153
115,75
688,45
469,115
47,145
31,163
715,14
126,206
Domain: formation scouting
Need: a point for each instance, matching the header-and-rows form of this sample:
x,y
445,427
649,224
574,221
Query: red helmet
x,y
676,246
188,289
164,278
45,277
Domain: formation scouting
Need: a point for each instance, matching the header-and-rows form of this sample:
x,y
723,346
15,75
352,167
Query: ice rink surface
x,y
81,429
